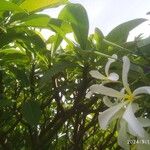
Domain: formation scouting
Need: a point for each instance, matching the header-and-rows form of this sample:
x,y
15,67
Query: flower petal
x,y
125,70
123,92
108,102
109,62
96,74
123,137
132,121
100,89
142,90
135,107
130,130
144,121
106,116
88,94
113,77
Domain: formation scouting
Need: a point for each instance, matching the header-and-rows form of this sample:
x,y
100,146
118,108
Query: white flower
x,y
112,77
126,98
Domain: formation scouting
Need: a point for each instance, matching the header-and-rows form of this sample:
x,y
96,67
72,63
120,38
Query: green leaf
x,y
13,55
62,33
55,40
17,1
54,70
20,74
36,20
77,16
32,5
98,36
36,39
18,17
4,102
120,33
137,69
145,50
31,112
33,20
64,26
5,5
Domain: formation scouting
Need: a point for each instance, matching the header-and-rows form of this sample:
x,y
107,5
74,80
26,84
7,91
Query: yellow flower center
x,y
105,78
129,97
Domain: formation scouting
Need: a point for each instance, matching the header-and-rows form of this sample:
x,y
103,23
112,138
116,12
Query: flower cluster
x,y
123,107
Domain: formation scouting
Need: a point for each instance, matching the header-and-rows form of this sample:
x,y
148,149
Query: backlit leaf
x,y
5,5
32,5
120,33
77,16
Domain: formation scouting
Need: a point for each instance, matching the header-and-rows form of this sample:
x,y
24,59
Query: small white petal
x,y
108,102
142,90
132,121
109,62
106,116
114,56
88,95
123,92
125,70
113,77
100,89
96,74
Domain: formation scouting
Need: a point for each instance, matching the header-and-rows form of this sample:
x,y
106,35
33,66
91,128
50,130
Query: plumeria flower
x,y
126,108
109,77
112,77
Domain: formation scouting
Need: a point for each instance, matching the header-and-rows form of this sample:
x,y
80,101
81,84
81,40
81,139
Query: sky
x,y
107,14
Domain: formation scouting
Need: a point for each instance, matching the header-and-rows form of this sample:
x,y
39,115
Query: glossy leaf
x,y
64,26
77,16
12,55
120,33
55,40
36,21
33,20
32,5
5,5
